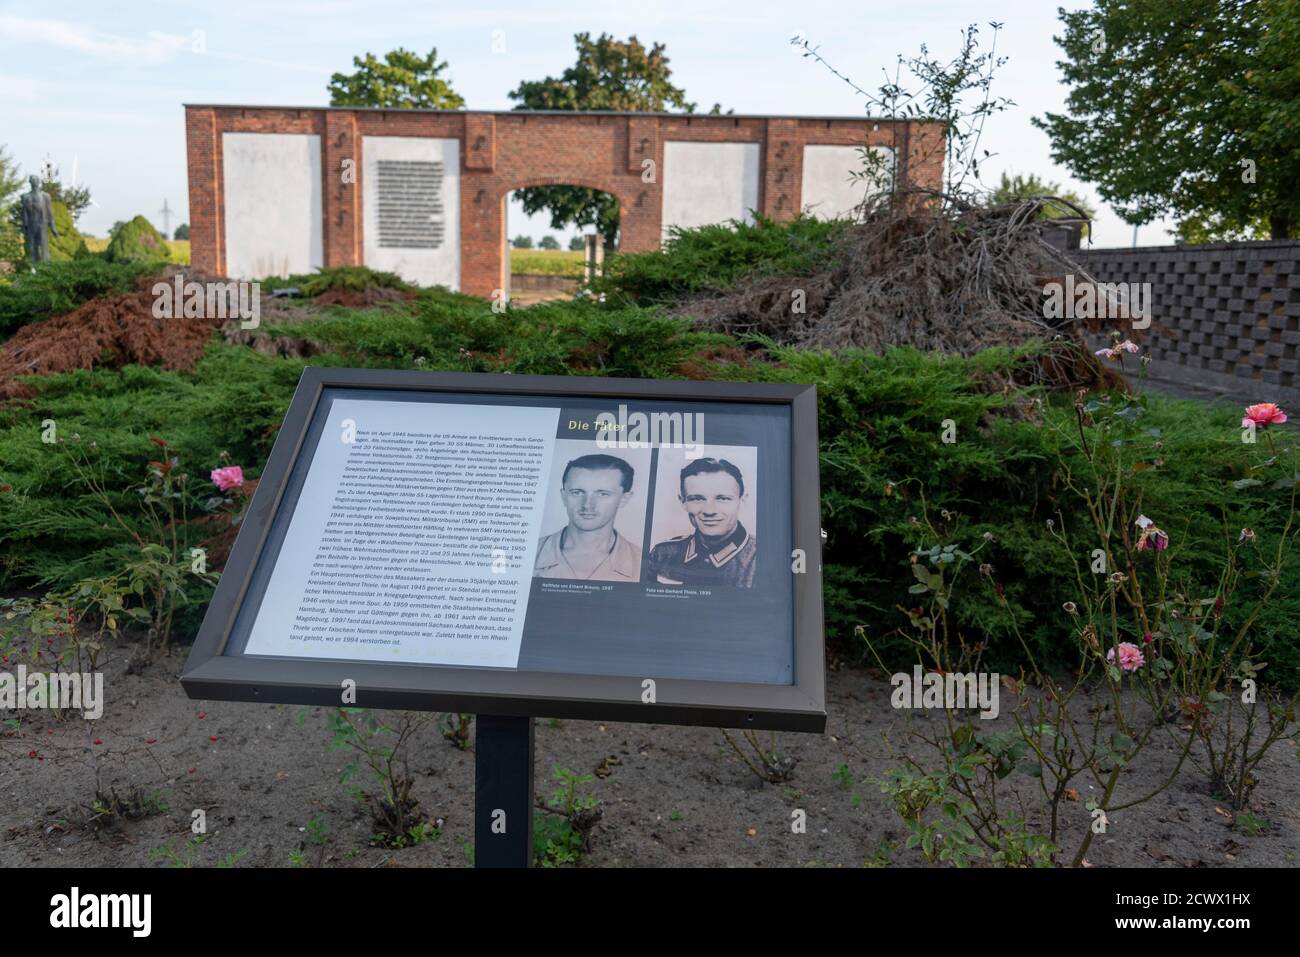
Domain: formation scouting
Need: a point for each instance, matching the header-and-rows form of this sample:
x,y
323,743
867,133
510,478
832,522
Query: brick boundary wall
x,y
504,151
1225,317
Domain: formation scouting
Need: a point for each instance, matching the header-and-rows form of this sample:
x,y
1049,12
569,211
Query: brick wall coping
x,y
713,117
1192,247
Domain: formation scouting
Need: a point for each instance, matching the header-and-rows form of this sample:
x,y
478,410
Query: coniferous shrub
x,y
137,241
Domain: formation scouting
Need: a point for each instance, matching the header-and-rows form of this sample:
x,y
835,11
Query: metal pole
x,y
503,791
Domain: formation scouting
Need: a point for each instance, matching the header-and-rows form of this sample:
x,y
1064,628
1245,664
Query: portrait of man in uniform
x,y
593,488
720,551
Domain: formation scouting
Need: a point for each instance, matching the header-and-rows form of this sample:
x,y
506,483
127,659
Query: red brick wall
x,y
501,152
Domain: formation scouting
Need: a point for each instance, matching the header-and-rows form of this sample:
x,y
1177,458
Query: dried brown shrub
x,y
926,271
103,333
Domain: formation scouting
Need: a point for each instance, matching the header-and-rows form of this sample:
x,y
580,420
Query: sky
x,y
98,87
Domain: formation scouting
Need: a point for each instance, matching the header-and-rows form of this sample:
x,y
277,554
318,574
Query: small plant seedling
x,y
843,776
1252,825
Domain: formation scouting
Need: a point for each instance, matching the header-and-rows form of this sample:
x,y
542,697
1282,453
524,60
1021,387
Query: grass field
x,y
180,248
531,262
546,262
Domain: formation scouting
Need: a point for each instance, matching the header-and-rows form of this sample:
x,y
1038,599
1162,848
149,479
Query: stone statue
x,y
38,222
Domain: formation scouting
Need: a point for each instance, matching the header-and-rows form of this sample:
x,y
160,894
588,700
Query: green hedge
x,y
717,257
881,423
344,278
881,426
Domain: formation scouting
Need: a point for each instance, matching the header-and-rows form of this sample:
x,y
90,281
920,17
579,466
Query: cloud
x,y
21,89
156,47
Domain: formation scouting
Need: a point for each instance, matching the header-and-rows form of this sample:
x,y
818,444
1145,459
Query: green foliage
x,y
11,244
403,79
11,179
609,74
562,829
1216,83
381,740
939,817
347,278
956,94
577,244
881,435
56,532
182,231
457,332
522,242
137,241
549,242
68,244
1014,189
75,198
718,257
58,287
11,185
1252,825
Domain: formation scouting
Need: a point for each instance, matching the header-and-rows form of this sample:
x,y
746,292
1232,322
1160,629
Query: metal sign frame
x,y
212,674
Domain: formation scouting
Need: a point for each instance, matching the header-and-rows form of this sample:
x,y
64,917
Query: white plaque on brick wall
x,y
706,183
411,204
830,189
272,203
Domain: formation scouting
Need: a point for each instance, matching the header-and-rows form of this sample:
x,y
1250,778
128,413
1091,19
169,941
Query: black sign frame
x,y
211,674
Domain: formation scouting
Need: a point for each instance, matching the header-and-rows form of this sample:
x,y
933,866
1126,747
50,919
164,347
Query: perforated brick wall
x,y
1225,316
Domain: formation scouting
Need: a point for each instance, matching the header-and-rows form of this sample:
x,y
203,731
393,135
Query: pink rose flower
x,y
1262,414
1130,656
1152,537
1107,353
231,476
1128,345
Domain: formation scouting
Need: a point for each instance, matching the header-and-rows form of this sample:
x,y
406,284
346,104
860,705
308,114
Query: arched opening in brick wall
x,y
528,274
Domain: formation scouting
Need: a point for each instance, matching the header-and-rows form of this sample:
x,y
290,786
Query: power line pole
x,y
166,216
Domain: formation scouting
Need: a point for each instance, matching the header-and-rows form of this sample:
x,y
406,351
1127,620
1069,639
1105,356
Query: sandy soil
x,y
673,796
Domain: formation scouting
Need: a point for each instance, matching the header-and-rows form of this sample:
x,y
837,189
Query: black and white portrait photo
x,y
704,518
595,514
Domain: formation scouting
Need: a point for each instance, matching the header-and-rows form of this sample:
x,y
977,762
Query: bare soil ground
x,y
672,796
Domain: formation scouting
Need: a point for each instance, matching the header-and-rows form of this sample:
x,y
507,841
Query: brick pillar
x,y
482,210
341,191
782,171
641,211
202,158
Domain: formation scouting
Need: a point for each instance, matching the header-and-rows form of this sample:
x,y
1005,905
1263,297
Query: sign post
x,y
503,791
516,547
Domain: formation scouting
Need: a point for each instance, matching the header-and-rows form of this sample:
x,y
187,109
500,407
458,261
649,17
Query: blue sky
x,y
99,86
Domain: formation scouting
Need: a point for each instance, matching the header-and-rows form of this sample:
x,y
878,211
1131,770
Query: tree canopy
x,y
608,74
1014,188
1185,108
404,80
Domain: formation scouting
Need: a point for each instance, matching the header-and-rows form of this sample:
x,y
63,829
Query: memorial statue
x,y
38,222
